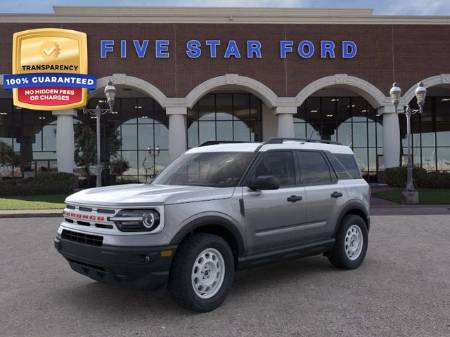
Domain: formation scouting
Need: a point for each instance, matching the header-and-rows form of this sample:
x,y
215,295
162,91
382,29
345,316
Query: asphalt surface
x,y
402,289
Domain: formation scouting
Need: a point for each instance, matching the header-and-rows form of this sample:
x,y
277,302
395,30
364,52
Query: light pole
x,y
110,94
410,194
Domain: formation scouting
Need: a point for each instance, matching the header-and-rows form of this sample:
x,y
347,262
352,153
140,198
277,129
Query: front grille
x,y
89,216
106,211
83,223
101,225
93,240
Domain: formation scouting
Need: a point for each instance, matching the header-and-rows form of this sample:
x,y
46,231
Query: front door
x,y
273,217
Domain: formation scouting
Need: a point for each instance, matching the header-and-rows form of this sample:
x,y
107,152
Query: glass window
x,y
348,161
225,131
130,108
241,106
145,139
360,134
132,159
300,130
161,136
128,136
225,117
428,158
192,135
215,169
362,159
344,132
279,164
343,109
312,106
443,155
206,131
206,108
241,130
339,168
312,132
142,125
443,121
314,169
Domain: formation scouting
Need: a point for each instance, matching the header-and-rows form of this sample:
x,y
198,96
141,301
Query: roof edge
x,y
209,11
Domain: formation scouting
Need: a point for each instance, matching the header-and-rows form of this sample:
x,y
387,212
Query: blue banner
x,y
49,80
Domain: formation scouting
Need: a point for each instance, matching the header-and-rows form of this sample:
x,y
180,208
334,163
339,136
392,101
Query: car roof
x,y
262,147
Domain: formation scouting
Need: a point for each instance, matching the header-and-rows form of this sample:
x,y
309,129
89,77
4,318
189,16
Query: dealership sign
x,y
229,49
49,69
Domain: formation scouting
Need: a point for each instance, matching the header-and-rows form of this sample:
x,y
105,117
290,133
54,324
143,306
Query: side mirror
x,y
264,183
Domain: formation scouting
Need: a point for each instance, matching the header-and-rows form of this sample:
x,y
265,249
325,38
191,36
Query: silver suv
x,y
216,209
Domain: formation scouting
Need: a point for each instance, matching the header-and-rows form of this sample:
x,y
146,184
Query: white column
x,y
177,131
65,143
285,116
391,137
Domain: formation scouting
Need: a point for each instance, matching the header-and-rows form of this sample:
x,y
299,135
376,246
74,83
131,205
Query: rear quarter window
x,y
345,166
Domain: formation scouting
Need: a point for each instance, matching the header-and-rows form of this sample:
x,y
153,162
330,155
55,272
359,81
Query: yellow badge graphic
x,y
49,69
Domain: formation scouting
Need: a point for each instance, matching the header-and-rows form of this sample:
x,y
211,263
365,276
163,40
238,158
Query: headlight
x,y
138,220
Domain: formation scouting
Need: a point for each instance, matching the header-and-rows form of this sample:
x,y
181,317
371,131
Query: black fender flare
x,y
211,220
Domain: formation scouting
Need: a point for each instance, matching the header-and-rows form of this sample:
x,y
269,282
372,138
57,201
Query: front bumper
x,y
137,267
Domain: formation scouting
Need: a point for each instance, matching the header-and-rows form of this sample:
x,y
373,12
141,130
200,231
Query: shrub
x,y
119,166
434,180
43,183
396,177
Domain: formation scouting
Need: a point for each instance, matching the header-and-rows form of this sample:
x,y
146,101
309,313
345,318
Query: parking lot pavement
x,y
402,289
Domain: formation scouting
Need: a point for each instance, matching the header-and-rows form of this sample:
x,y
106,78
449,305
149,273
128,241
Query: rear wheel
x,y
202,272
350,248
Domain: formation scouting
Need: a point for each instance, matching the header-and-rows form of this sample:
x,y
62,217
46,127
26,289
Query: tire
x,y
201,261
348,252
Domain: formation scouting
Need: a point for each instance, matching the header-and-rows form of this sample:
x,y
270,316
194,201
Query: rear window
x,y
345,166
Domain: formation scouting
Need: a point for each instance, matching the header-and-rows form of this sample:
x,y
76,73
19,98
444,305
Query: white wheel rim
x,y
208,273
354,242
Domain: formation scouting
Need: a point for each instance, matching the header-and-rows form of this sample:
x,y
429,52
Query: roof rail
x,y
280,140
217,142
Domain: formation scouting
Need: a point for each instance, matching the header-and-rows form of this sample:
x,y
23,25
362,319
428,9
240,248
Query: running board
x,y
314,248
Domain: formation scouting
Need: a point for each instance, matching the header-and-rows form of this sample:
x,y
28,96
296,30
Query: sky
x,y
381,7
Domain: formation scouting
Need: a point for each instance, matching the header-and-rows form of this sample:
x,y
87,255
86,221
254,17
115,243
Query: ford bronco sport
x,y
216,209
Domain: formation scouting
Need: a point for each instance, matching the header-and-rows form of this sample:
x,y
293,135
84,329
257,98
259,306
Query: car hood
x,y
132,195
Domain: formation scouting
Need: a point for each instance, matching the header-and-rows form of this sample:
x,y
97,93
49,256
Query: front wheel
x,y
350,248
202,272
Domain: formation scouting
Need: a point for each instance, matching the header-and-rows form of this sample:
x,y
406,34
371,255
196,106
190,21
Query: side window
x,y
339,168
349,162
279,164
314,169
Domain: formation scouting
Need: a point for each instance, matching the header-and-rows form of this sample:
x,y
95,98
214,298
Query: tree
x,y
86,145
7,155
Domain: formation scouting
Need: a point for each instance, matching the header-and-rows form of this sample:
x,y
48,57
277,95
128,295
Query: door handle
x,y
294,198
336,194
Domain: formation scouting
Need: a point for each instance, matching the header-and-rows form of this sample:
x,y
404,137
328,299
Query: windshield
x,y
215,169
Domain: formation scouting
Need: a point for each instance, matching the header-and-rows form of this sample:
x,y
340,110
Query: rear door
x,y
323,194
274,217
